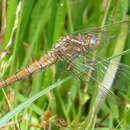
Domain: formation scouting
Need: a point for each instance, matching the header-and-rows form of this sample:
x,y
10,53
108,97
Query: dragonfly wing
x,y
107,34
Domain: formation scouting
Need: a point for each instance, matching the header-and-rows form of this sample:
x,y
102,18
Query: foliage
x,y
34,29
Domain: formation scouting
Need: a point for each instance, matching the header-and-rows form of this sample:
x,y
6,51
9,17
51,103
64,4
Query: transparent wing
x,y
106,35
94,69
110,79
105,30
98,68
97,63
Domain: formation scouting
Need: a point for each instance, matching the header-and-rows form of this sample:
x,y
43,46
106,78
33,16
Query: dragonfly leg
x,y
76,75
86,61
70,64
71,61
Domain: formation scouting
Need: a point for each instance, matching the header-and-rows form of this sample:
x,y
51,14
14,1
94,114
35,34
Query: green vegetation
x,y
54,93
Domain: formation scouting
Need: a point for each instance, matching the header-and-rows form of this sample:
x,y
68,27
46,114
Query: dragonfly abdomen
x,y
44,62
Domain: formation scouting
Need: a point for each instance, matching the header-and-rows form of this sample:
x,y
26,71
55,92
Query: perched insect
x,y
84,52
66,47
71,48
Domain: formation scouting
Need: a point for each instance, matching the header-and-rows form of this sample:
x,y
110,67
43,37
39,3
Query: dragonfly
x,y
71,48
64,48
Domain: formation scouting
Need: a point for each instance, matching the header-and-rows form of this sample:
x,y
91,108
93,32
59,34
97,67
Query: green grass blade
x,y
8,116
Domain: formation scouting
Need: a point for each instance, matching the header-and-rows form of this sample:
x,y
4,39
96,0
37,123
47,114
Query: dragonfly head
x,y
91,40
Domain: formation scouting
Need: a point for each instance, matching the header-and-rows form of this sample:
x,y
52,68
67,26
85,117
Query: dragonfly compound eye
x,y
91,39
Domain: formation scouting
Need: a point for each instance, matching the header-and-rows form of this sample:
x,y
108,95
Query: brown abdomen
x,y
44,62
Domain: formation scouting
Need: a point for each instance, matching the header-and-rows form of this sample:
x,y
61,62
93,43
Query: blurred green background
x,y
34,30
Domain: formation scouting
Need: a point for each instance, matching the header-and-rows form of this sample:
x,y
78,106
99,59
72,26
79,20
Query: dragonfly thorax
x,y
70,45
